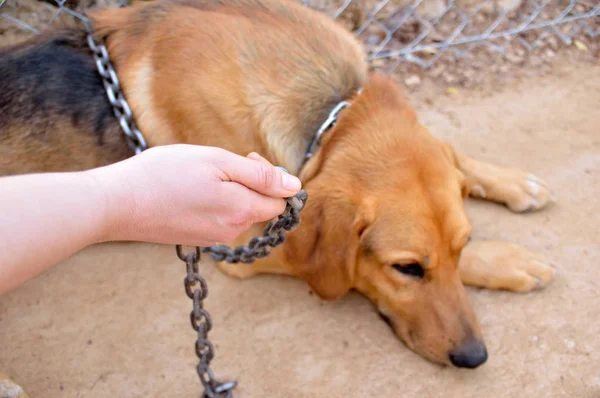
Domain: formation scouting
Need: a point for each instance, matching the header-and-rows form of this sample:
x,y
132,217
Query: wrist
x,y
114,203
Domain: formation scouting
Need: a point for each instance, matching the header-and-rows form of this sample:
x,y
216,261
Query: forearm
x,y
44,219
176,194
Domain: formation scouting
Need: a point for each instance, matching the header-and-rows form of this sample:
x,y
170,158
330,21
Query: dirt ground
x,y
112,321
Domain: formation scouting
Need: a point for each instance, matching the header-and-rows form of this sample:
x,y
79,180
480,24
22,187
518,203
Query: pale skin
x,y
176,194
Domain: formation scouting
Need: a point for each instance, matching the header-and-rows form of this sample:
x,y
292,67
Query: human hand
x,y
191,195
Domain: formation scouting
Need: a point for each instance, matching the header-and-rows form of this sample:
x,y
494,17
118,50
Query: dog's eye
x,y
413,269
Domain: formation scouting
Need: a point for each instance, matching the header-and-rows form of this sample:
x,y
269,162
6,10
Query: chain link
x,y
195,285
202,323
273,235
121,108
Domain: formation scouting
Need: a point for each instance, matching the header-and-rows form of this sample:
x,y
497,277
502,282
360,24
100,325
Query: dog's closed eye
x,y
412,269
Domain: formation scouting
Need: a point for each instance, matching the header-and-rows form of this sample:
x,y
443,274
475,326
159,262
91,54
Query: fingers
x,y
264,208
258,174
251,207
258,158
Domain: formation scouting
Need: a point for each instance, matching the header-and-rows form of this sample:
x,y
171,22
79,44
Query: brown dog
x,y
385,212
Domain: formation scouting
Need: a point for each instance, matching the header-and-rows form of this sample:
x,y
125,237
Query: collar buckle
x,y
329,123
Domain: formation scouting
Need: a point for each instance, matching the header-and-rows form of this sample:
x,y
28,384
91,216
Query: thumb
x,y
258,174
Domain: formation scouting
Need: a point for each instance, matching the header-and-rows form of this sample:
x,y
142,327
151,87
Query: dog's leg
x,y
504,266
516,189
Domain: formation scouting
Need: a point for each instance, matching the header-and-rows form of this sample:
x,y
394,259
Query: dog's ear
x,y
323,250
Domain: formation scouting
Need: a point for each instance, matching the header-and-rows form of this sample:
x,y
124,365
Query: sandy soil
x,y
113,320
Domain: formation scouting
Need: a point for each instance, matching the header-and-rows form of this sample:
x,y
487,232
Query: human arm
x,y
178,194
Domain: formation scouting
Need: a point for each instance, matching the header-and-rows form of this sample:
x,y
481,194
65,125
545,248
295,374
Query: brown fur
x,y
262,75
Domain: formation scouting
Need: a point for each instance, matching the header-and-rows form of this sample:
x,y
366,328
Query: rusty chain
x,y
259,247
202,324
274,235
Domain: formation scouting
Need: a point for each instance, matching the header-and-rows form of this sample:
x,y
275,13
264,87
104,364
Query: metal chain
x,y
121,108
202,324
273,236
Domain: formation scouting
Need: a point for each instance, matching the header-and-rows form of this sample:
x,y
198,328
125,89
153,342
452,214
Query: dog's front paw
x,y
504,266
526,192
518,190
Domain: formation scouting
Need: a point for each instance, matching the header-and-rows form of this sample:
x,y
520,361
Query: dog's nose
x,y
469,355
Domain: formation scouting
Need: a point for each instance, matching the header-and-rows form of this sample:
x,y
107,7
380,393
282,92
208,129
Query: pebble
x,y
533,339
413,80
570,344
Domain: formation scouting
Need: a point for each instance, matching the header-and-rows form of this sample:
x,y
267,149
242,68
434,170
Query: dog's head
x,y
385,216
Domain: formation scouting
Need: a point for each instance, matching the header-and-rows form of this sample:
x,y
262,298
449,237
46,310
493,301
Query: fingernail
x,y
290,182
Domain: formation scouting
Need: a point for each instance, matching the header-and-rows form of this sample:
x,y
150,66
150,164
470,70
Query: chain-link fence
x,y
394,31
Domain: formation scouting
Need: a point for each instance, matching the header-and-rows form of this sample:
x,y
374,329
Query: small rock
x,y
429,50
377,62
413,80
507,5
580,45
431,9
479,17
449,78
570,344
533,339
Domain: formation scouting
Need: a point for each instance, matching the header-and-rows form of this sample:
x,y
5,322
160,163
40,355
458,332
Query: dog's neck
x,y
325,128
370,116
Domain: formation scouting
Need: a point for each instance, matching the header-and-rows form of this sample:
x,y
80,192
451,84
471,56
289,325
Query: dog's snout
x,y
469,355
